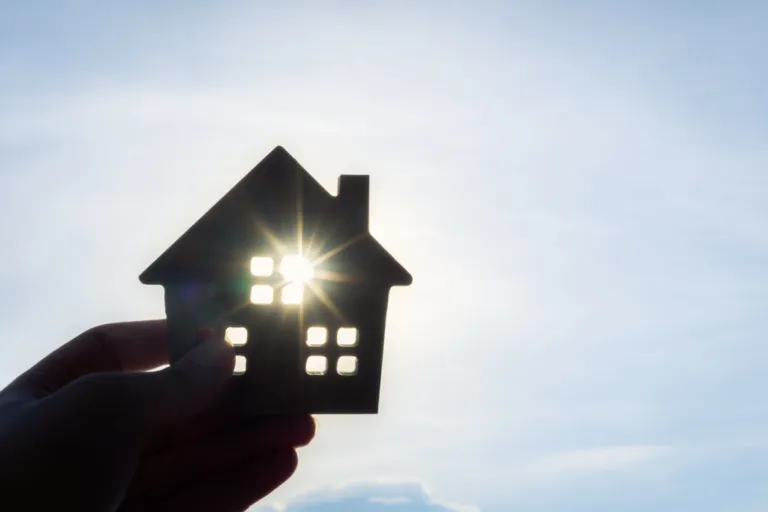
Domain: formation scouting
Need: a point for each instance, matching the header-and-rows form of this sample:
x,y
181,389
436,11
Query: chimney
x,y
353,198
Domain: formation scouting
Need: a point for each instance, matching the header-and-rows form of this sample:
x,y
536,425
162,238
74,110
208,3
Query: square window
x,y
317,336
347,337
262,294
236,336
240,365
293,293
317,365
262,267
346,365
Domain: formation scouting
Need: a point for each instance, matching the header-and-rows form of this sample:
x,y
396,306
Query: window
x,y
297,269
317,365
262,294
346,365
236,336
262,267
317,336
346,337
293,293
240,365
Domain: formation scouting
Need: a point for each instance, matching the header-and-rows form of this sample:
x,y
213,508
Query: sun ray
x,y
272,239
320,294
310,244
305,248
336,277
336,250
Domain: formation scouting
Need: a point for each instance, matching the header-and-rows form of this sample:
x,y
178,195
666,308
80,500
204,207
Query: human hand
x,y
88,430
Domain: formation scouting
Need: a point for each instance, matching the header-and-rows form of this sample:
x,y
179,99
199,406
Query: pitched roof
x,y
278,198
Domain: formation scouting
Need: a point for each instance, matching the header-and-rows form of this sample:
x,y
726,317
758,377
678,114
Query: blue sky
x,y
579,189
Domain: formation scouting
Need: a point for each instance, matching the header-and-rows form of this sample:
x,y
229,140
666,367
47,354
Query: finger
x,y
98,423
119,347
215,423
182,391
144,401
210,455
234,490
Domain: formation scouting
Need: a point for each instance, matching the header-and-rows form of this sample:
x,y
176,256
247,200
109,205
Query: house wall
x,y
366,311
276,380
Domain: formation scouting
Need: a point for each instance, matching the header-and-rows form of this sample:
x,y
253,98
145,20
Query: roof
x,y
278,203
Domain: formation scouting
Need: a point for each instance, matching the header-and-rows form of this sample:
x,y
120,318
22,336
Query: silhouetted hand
x,y
87,430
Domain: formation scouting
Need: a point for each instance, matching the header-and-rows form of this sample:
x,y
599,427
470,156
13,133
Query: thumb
x,y
97,421
147,400
185,388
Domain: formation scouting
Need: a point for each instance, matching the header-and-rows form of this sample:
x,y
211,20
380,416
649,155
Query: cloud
x,y
372,496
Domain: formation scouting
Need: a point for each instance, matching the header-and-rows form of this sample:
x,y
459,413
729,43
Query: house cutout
x,y
292,278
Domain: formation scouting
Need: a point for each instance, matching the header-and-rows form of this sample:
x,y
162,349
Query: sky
x,y
579,189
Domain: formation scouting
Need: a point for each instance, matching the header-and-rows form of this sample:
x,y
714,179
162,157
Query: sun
x,y
297,269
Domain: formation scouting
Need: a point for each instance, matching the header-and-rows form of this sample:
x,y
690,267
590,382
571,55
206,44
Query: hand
x,y
88,430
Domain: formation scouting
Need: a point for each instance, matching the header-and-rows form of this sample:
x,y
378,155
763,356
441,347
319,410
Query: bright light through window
x,y
317,336
317,365
293,293
262,266
241,364
262,294
347,365
236,336
297,269
347,337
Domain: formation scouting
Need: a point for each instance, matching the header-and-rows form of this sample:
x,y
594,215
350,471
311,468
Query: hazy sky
x,y
579,188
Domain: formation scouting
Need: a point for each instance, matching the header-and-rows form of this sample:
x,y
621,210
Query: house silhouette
x,y
292,277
